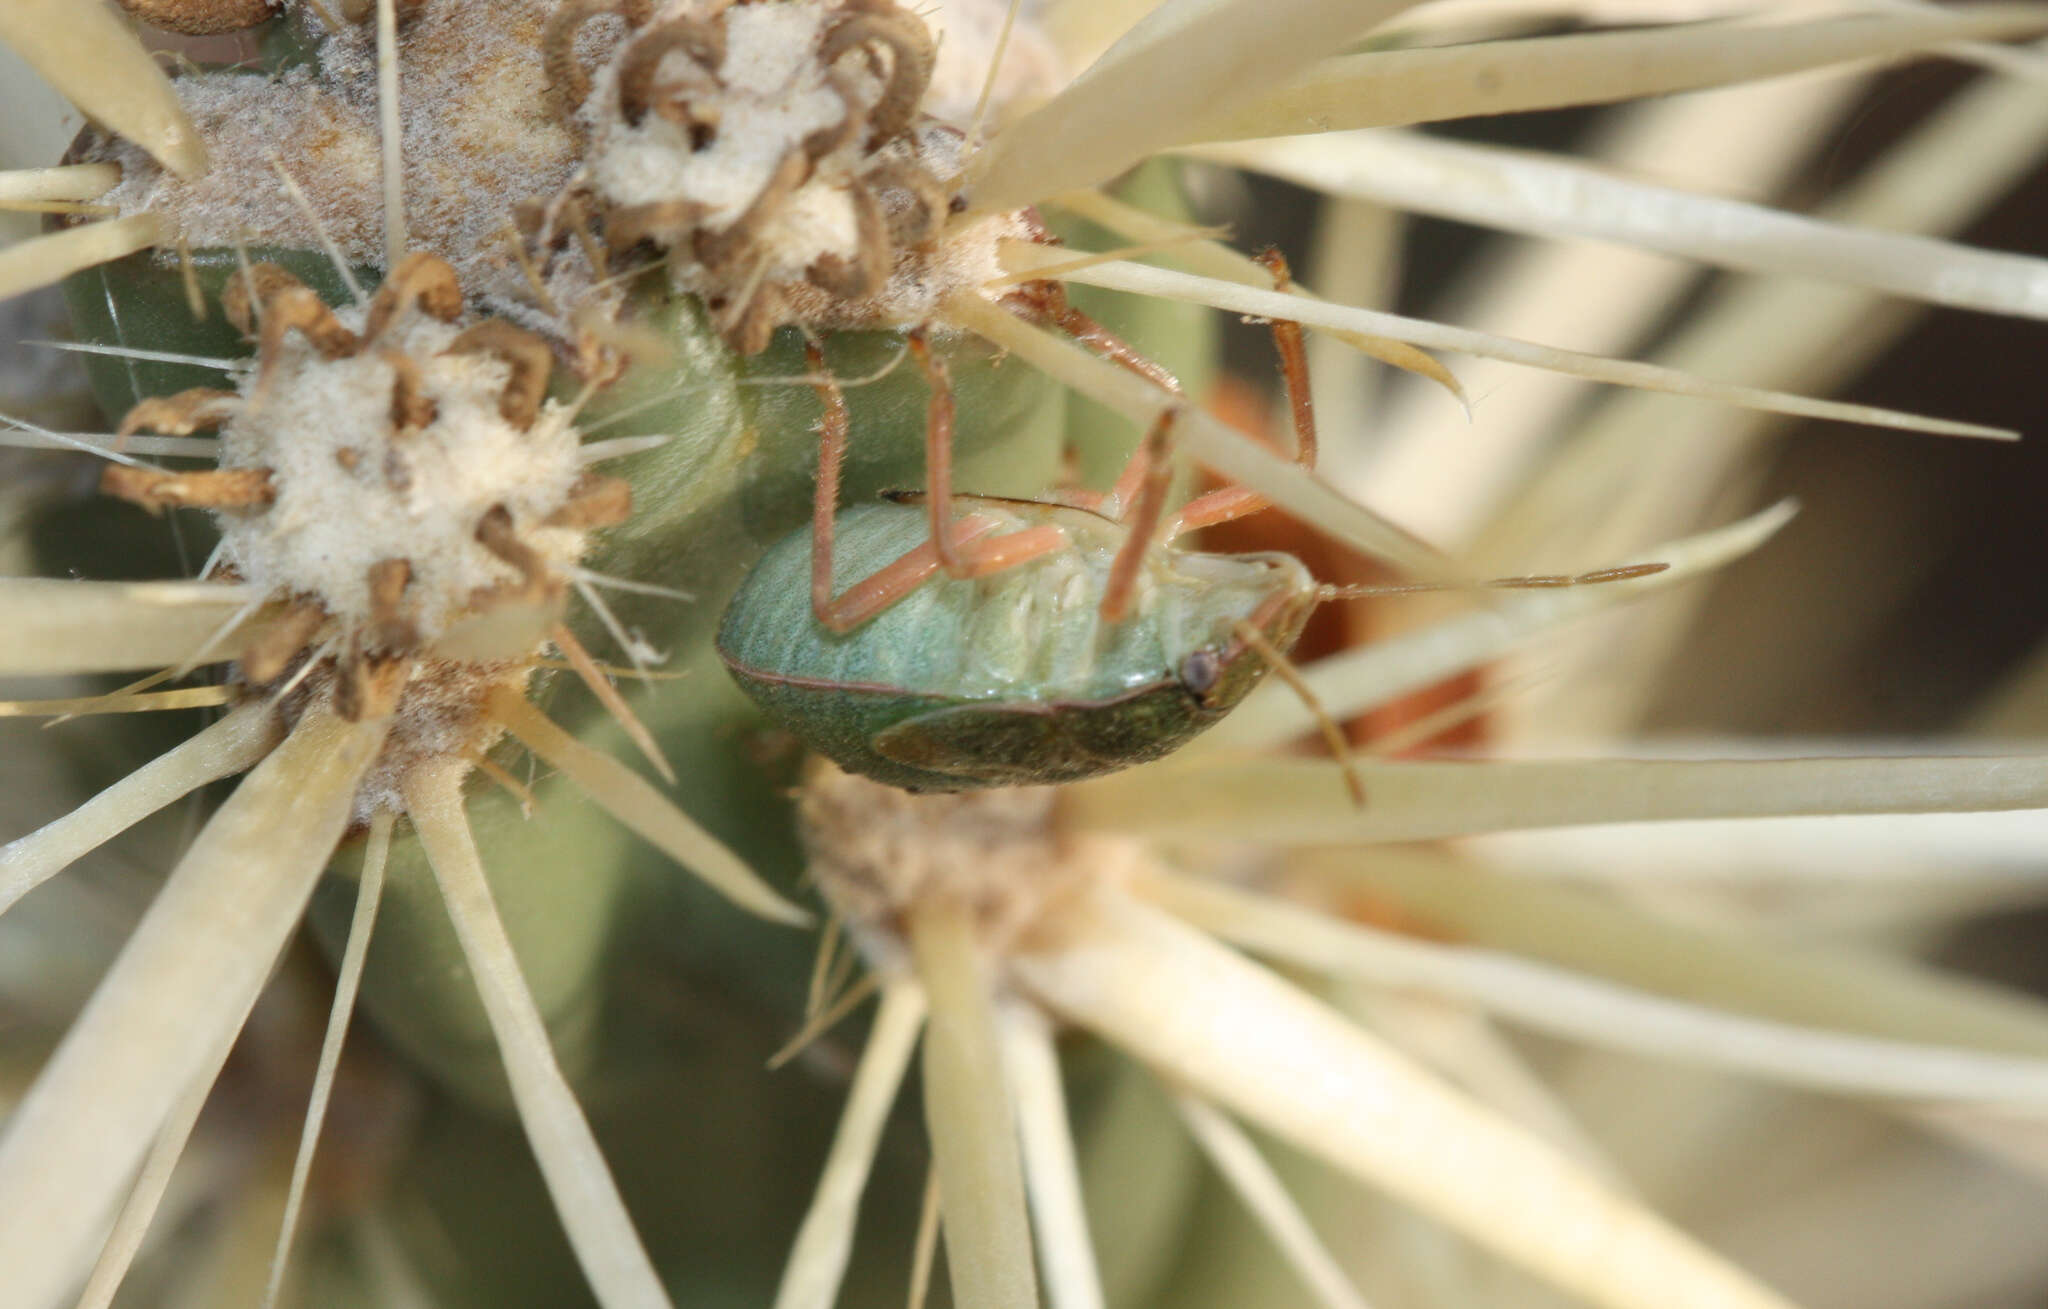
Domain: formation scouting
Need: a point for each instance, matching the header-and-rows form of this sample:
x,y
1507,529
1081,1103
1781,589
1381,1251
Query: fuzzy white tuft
x,y
351,493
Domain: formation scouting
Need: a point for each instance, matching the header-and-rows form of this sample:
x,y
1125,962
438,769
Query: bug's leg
x,y
1234,502
1142,515
1046,302
979,557
1012,549
1333,736
1141,489
1049,304
891,582
832,433
1288,344
938,453
1106,343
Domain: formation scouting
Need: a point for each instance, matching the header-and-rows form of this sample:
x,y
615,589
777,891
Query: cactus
x,y
436,289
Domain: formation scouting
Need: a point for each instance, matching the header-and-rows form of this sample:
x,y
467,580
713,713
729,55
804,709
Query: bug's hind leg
x,y
1048,304
1141,490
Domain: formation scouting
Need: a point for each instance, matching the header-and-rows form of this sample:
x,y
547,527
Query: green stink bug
x,y
1014,677
1046,642
1026,642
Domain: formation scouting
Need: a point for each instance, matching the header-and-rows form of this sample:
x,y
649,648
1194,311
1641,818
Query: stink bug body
x,y
1014,677
1030,642
1027,642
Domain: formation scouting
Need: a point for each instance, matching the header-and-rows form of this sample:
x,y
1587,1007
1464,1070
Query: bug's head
x,y
1269,595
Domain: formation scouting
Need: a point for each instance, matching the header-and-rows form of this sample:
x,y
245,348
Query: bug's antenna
x,y
1333,736
1535,582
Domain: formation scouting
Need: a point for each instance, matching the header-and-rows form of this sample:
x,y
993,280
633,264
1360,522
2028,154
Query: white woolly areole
x,y
350,492
770,93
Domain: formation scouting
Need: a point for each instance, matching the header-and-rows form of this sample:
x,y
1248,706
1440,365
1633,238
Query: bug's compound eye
x,y
1200,671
